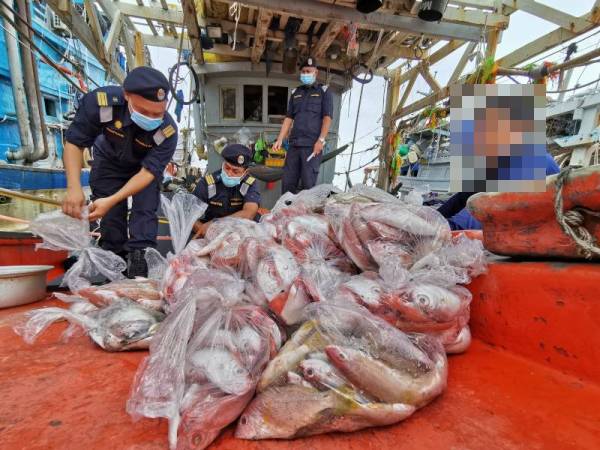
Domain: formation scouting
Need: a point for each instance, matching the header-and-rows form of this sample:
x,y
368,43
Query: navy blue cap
x,y
237,154
148,83
309,62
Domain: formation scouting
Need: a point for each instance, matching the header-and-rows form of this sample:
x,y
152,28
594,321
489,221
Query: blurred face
x,y
154,110
234,171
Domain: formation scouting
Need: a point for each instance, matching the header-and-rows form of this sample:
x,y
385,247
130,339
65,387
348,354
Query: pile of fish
x,y
343,370
372,285
206,360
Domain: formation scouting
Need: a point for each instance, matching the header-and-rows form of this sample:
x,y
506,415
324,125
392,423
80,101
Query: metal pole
x,y
31,88
18,90
362,86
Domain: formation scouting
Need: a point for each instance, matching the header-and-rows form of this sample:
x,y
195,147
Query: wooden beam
x,y
145,12
127,38
328,36
407,91
113,35
434,58
424,102
562,19
546,42
432,82
492,43
464,59
190,19
305,25
148,21
375,20
171,42
260,36
95,27
139,52
80,30
165,7
283,20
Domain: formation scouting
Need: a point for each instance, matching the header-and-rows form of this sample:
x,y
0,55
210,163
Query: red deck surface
x,y
72,396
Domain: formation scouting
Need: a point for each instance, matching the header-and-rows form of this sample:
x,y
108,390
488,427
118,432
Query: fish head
x,y
252,423
339,356
316,369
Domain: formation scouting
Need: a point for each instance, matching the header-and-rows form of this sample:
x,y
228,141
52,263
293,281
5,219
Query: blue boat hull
x,y
26,178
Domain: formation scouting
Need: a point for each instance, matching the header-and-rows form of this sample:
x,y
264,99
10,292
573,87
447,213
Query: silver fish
x,y
222,369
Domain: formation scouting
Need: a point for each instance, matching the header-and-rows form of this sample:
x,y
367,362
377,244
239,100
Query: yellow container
x,y
281,151
274,162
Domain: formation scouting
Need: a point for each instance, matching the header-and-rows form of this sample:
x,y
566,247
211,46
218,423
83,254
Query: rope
x,y
235,10
354,135
571,221
574,88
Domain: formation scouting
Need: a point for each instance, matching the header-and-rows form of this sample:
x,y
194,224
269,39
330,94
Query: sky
x,y
522,28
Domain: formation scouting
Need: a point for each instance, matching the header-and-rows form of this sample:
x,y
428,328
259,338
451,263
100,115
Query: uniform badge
x,y
118,124
310,61
160,94
115,99
241,159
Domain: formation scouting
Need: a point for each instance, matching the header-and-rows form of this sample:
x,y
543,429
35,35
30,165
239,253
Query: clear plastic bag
x,y
313,199
205,361
243,136
343,370
122,325
62,232
182,211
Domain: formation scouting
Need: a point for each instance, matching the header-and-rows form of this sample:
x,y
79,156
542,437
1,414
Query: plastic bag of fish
x,y
205,361
62,232
120,326
143,291
343,370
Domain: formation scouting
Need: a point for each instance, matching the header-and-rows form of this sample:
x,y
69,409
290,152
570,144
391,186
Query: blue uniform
x,y
464,220
222,200
120,149
414,169
308,105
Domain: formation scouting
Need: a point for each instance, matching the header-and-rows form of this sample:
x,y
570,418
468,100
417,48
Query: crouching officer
x,y
132,138
310,110
229,191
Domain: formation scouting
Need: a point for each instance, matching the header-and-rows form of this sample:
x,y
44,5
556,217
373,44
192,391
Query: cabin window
x,y
228,102
50,107
277,103
253,96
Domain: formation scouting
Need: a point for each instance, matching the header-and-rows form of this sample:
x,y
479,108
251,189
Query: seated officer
x,y
229,191
132,138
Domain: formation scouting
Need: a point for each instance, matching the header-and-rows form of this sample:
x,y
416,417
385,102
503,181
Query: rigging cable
x,y
354,136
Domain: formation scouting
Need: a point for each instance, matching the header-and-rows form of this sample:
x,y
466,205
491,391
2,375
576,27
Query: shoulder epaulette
x,y
246,185
212,186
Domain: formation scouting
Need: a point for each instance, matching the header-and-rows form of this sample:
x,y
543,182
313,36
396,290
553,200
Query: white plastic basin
x,y
20,285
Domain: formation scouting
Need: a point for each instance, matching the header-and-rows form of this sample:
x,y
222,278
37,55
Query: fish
x,y
293,308
461,342
283,412
383,251
288,359
141,290
294,378
400,217
368,290
206,414
384,383
222,369
436,302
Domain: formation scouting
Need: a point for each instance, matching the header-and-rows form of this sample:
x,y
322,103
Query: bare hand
x,y
318,148
276,145
99,208
200,229
73,202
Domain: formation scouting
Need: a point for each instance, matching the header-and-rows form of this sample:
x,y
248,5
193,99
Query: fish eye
x,y
343,356
310,372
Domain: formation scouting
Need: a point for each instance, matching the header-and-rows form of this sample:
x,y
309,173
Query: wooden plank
x,y
251,16
434,58
148,21
407,91
145,12
327,38
113,34
260,36
304,26
491,44
82,31
546,42
190,20
562,19
138,50
127,38
432,82
95,27
424,102
283,20
375,20
464,59
170,42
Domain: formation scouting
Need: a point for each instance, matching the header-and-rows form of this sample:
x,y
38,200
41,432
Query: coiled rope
x,y
572,221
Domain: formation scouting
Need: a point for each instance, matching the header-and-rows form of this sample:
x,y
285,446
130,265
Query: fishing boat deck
x,y
529,380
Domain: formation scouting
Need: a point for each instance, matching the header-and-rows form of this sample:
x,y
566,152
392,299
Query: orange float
x,y
525,224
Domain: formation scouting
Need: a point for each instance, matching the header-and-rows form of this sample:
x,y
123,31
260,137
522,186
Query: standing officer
x,y
310,110
132,138
229,191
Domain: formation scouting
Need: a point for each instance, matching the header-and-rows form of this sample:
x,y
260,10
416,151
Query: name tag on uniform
x,y
115,132
215,203
315,95
297,96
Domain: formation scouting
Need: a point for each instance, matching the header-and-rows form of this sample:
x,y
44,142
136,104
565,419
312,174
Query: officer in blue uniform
x,y
132,139
310,110
229,191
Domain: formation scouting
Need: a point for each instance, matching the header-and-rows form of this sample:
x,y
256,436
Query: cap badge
x,y
240,159
160,94
310,61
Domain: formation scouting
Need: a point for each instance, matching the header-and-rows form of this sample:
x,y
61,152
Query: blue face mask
x,y
145,122
307,78
229,181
